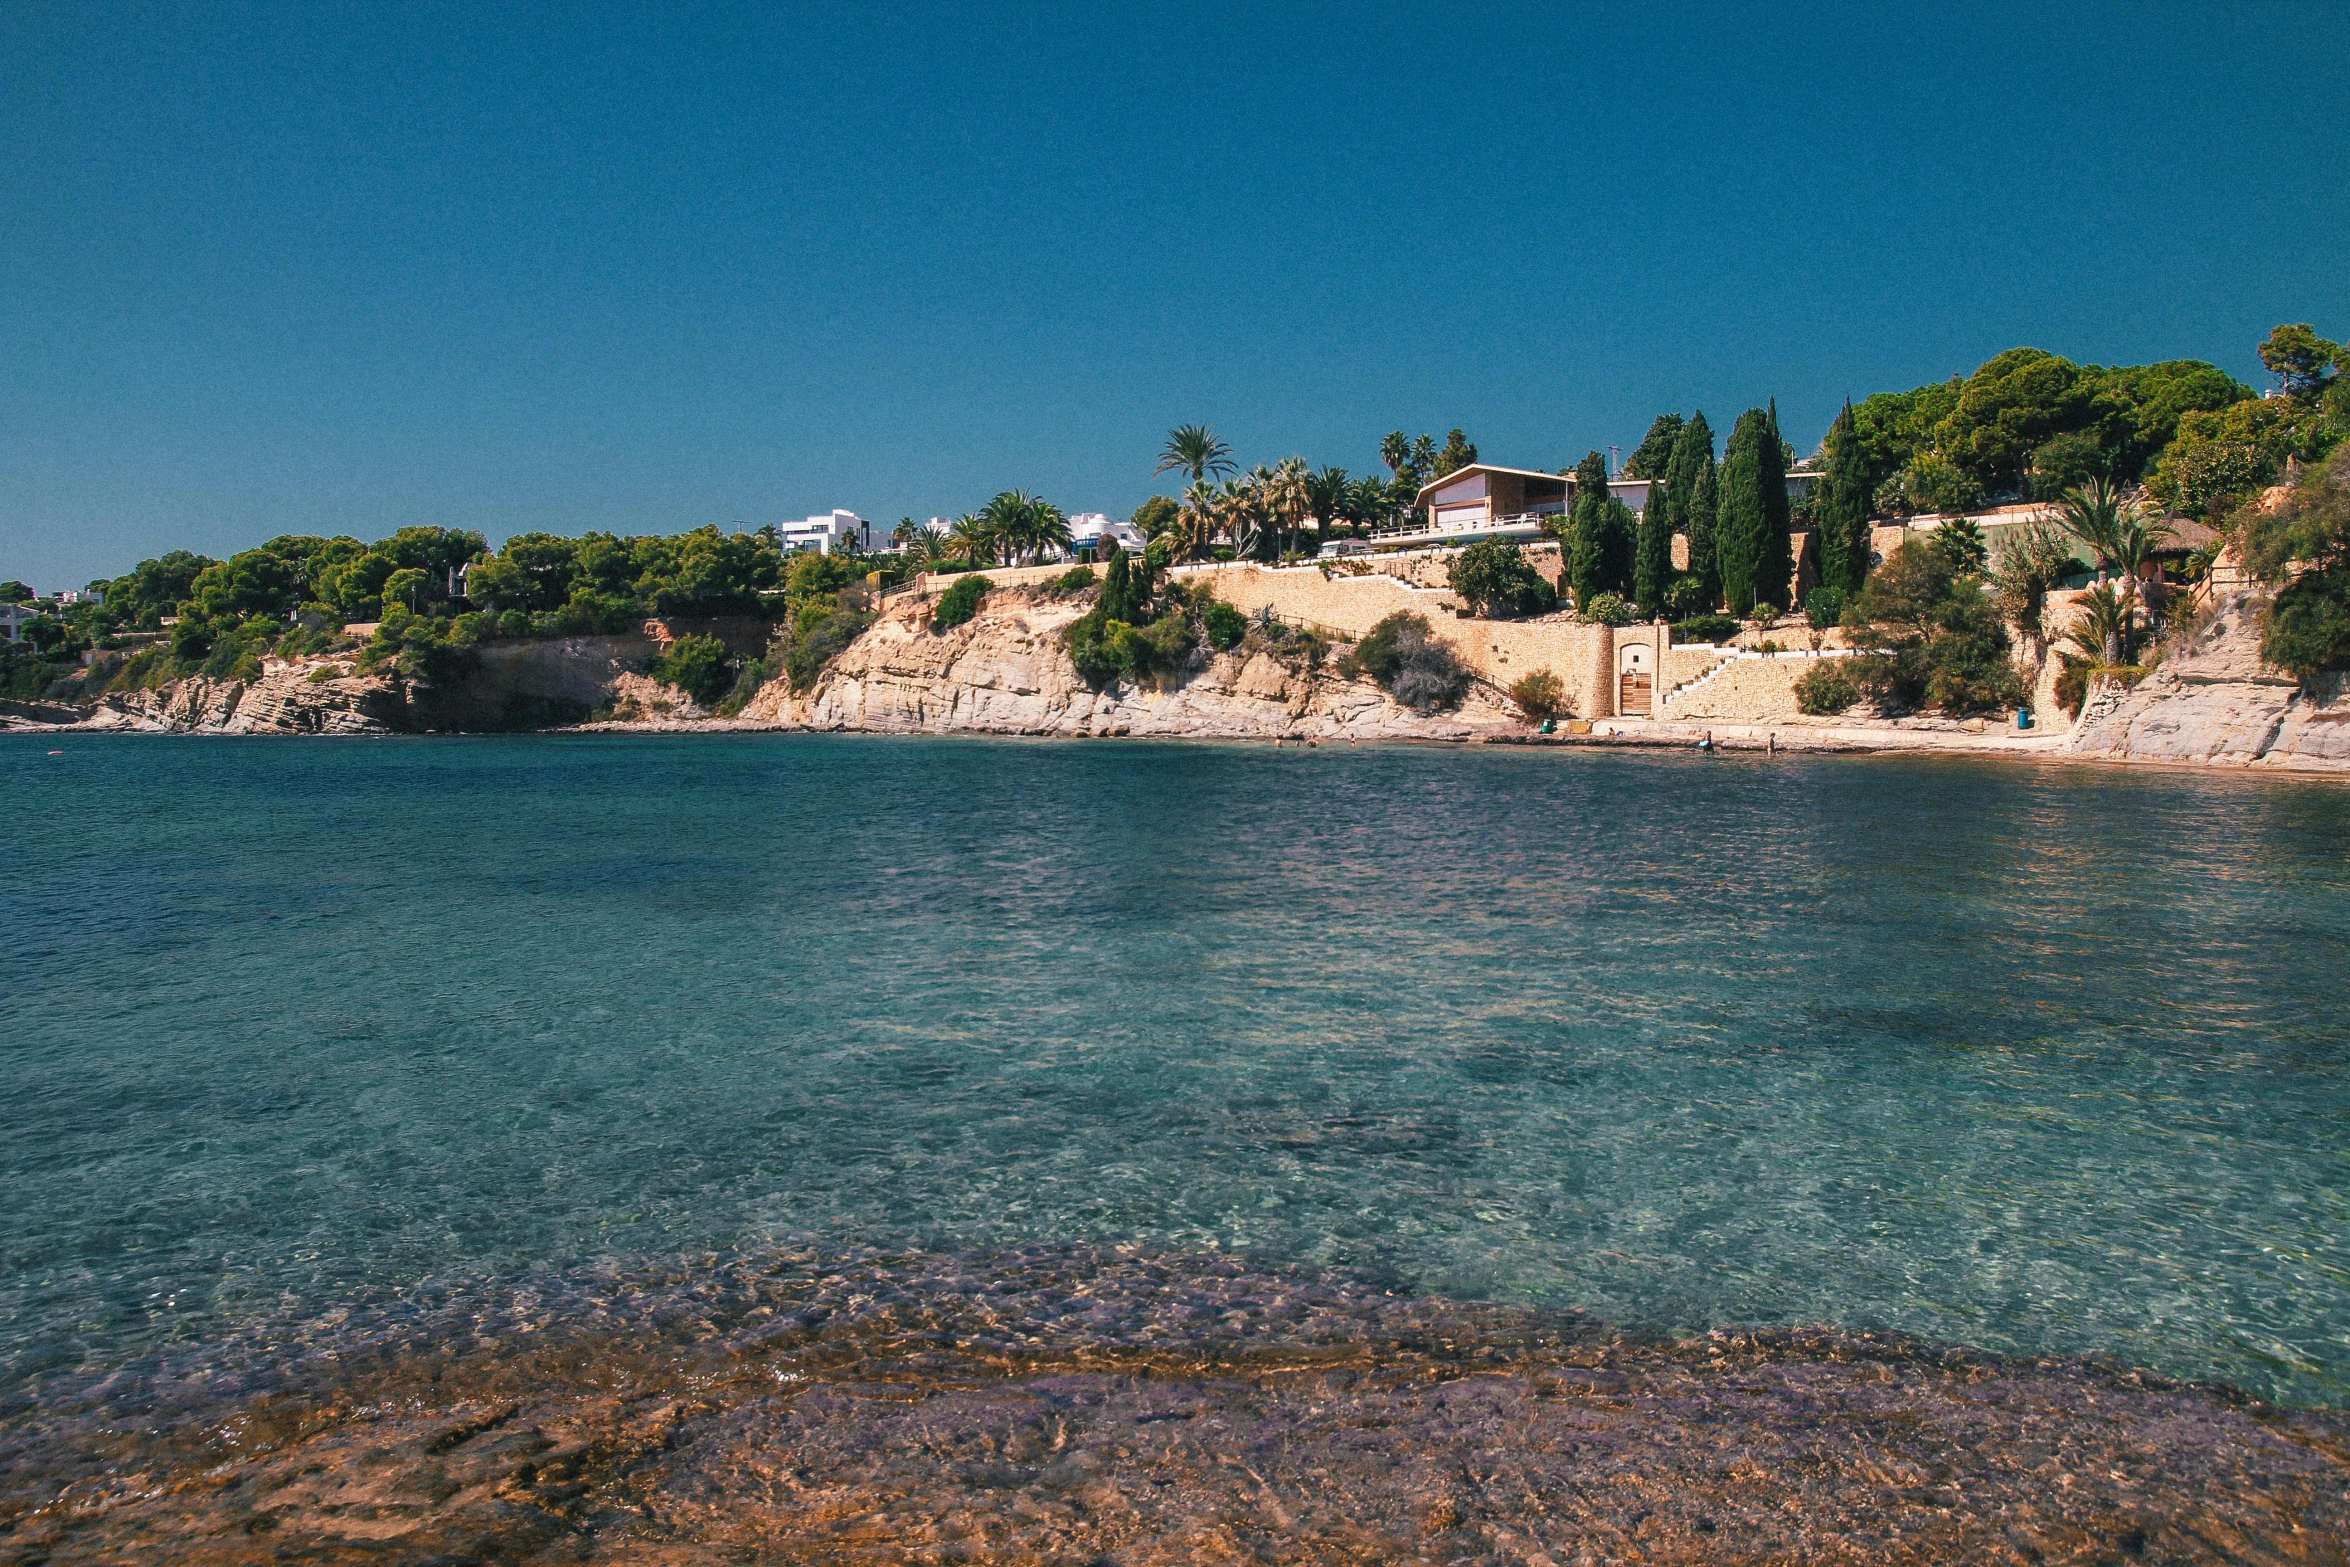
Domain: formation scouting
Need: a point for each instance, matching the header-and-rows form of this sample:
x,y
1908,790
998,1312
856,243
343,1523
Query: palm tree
x,y
1199,518
1021,525
1289,499
1194,449
1329,496
1240,512
971,539
2103,631
1395,449
2121,535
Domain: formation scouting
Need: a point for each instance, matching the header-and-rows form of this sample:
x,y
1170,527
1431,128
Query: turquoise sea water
x,y
2042,1060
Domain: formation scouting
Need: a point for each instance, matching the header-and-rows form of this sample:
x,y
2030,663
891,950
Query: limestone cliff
x,y
509,686
1005,672
2220,705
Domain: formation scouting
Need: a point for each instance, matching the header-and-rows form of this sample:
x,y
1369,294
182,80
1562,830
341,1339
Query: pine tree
x,y
1842,511
1459,452
1653,458
1739,523
1653,569
1774,561
1704,502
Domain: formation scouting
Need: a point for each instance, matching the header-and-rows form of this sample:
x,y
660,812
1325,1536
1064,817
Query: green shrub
x,y
1405,657
1540,695
1705,628
756,672
960,602
1075,579
1607,609
1937,635
1823,608
698,665
1827,687
1225,626
2307,628
820,633
1104,649
1495,579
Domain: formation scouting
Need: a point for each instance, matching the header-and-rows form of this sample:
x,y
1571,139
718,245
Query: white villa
x,y
1485,500
1089,529
828,532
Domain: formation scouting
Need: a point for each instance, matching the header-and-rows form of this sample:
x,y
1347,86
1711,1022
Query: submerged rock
x,y
1073,1404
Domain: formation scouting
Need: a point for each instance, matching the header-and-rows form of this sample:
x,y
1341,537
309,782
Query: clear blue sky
x,y
337,269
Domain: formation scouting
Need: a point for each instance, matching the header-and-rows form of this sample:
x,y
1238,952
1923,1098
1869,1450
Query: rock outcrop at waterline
x,y
510,686
1006,672
2220,705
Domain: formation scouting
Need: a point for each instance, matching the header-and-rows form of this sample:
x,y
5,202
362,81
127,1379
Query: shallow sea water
x,y
2041,1060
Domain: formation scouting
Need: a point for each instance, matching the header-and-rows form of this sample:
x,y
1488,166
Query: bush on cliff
x,y
2307,628
1496,580
1104,649
698,665
1934,636
1225,626
1405,657
1705,628
1540,695
1827,687
959,603
820,632
1121,636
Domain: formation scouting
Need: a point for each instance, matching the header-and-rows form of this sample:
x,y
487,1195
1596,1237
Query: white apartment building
x,y
828,532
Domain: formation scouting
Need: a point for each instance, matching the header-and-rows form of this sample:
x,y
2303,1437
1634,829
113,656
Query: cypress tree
x,y
1842,510
1693,448
1653,568
1704,500
1739,524
1587,553
1119,600
1774,560
1619,548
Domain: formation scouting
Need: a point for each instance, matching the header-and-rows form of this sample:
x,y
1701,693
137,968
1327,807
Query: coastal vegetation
x,y
961,601
2302,545
1145,626
2127,454
1403,654
1495,579
1540,696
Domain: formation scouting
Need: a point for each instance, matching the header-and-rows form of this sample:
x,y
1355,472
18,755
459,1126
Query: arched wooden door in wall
x,y
1635,680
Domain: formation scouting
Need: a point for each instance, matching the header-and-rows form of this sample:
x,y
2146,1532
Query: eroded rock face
x,y
512,685
1006,672
2220,706
312,696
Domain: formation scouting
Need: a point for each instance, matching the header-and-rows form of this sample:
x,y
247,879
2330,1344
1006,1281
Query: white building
x,y
1089,530
82,596
15,617
831,531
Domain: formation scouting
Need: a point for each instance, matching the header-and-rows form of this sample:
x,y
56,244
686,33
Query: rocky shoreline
x,y
1054,1404
1006,673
